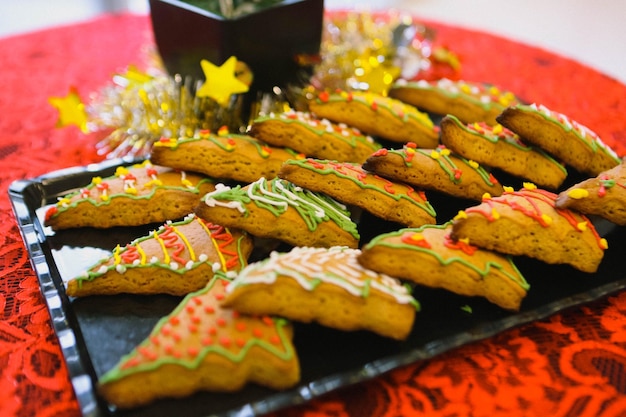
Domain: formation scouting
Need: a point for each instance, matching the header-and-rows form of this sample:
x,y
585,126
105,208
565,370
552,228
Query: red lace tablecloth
x,y
571,364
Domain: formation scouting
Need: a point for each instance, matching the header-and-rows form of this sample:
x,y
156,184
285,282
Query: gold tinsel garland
x,y
358,51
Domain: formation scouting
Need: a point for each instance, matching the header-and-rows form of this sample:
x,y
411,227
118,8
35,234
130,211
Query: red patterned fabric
x,y
571,364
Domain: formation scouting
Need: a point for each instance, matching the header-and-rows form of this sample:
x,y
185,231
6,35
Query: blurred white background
x,y
590,31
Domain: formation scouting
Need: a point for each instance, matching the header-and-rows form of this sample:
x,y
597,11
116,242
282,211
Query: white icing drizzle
x,y
266,196
210,201
309,266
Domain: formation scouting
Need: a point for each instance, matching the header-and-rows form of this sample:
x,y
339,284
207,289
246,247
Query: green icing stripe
x,y
175,143
445,90
320,130
90,275
447,164
378,241
415,114
590,138
98,203
286,353
493,138
313,208
302,266
426,206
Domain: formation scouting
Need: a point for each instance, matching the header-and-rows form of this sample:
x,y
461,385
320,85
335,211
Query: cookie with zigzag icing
x,y
137,195
327,286
435,169
428,256
278,209
469,101
201,346
569,141
177,258
528,223
498,147
224,155
314,137
349,183
377,115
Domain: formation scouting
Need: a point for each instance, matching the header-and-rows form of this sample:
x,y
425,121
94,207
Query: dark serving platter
x,y
95,332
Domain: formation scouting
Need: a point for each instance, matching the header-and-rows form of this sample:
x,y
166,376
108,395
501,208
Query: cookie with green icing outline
x,y
133,196
177,258
349,183
569,141
278,209
528,223
498,147
224,155
428,256
469,101
202,346
604,195
377,115
434,169
327,286
314,137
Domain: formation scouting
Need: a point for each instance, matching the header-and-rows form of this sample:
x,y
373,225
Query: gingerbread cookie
x,y
137,195
569,141
314,137
434,169
604,195
278,209
377,115
469,101
428,256
498,147
349,183
224,155
527,223
178,258
327,286
201,346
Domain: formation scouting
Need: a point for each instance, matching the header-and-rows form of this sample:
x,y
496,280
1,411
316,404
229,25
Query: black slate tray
x,y
95,332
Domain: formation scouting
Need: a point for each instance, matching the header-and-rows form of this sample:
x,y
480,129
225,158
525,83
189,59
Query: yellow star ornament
x,y
221,82
71,110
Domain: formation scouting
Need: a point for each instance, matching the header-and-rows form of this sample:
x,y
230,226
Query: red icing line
x,y
220,233
51,212
172,241
459,245
408,239
388,184
531,196
534,214
130,255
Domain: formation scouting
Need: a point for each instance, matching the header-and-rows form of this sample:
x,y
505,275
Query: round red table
x,y
570,364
